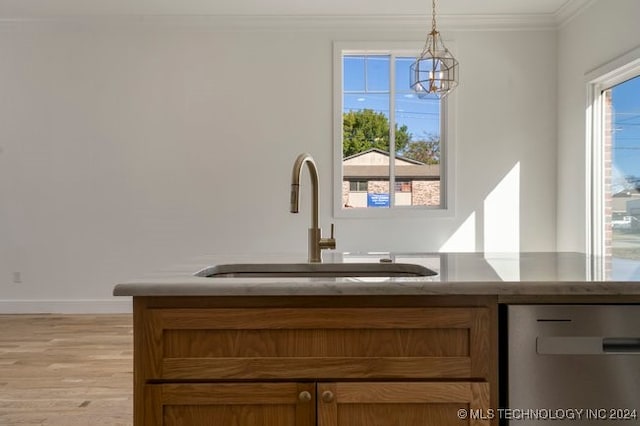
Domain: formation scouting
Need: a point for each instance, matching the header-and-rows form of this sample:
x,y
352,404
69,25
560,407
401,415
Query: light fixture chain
x,y
433,15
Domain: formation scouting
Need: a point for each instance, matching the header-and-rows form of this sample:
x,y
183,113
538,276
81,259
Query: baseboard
x,y
92,306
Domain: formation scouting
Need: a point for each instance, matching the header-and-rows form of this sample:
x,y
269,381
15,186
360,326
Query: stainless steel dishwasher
x,y
573,365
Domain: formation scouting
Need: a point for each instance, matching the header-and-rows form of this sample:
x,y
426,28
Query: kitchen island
x,y
339,351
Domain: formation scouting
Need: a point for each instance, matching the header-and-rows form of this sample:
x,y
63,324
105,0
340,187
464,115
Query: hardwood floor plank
x,y
66,370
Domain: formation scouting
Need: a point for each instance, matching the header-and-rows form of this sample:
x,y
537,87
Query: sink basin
x,y
310,270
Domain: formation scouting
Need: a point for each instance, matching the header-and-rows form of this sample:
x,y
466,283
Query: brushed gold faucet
x,y
316,242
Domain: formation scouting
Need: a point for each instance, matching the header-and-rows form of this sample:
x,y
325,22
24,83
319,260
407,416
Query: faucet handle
x,y
328,243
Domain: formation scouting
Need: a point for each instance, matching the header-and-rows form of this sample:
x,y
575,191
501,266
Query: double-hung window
x,y
392,147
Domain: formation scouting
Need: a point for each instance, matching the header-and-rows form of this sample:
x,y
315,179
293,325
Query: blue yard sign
x,y
377,200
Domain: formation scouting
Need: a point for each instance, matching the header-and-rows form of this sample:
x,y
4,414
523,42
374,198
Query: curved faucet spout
x,y
316,242
296,174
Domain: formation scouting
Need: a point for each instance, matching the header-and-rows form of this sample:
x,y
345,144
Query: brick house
x,y
366,181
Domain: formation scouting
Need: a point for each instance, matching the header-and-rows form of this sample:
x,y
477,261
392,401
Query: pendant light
x,y
435,72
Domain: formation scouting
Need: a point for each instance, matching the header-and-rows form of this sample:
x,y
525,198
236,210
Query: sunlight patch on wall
x,y
502,215
464,239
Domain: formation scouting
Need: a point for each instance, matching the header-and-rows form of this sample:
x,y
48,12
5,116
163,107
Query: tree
x,y
426,151
366,129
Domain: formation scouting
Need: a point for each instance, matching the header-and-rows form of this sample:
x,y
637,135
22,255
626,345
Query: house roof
x,y
381,152
357,166
424,172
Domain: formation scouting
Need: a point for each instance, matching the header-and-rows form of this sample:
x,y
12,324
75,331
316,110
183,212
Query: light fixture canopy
x,y
435,72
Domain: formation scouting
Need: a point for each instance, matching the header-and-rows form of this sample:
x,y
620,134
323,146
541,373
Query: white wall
x,y
603,32
126,147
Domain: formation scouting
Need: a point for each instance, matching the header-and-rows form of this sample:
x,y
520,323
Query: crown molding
x,y
511,22
570,10
458,22
517,22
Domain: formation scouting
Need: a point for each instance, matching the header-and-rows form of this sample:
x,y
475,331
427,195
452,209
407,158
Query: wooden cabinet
x,y
397,403
296,404
308,361
237,404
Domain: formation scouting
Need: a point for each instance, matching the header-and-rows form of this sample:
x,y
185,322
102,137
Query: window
x,y
621,148
615,138
391,146
403,186
358,186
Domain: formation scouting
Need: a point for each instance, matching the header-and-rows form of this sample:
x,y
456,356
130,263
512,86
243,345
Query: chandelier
x,y
436,70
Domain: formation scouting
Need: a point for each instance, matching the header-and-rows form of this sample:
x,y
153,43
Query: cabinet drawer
x,y
315,343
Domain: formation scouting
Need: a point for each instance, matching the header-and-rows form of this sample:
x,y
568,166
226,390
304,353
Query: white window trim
x,y
602,78
447,134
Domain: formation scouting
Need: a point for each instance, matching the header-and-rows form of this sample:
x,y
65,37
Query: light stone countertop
x,y
513,274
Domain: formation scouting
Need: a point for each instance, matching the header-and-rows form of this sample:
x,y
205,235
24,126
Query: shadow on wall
x,y
496,227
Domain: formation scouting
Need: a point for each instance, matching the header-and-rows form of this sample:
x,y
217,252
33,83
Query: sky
x,y
626,125
366,86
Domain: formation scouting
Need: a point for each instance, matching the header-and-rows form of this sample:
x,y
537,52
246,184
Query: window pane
x,y
622,153
353,79
365,133
378,73
403,186
402,74
358,186
418,142
365,149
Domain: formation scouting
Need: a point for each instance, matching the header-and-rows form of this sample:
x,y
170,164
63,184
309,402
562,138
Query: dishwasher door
x,y
573,365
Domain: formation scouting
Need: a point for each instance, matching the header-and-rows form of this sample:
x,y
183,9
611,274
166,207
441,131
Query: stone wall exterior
x,y
345,192
425,193
378,187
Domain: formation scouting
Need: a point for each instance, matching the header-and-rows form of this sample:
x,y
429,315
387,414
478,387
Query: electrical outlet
x,y
17,278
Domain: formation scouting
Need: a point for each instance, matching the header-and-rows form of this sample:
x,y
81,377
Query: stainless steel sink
x,y
310,270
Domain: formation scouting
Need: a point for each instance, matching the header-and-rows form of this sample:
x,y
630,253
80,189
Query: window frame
x,y
598,81
447,137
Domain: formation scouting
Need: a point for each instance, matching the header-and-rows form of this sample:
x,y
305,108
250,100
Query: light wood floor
x,y
66,370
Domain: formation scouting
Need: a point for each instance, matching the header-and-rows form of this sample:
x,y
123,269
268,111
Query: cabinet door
x,y
230,404
403,404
